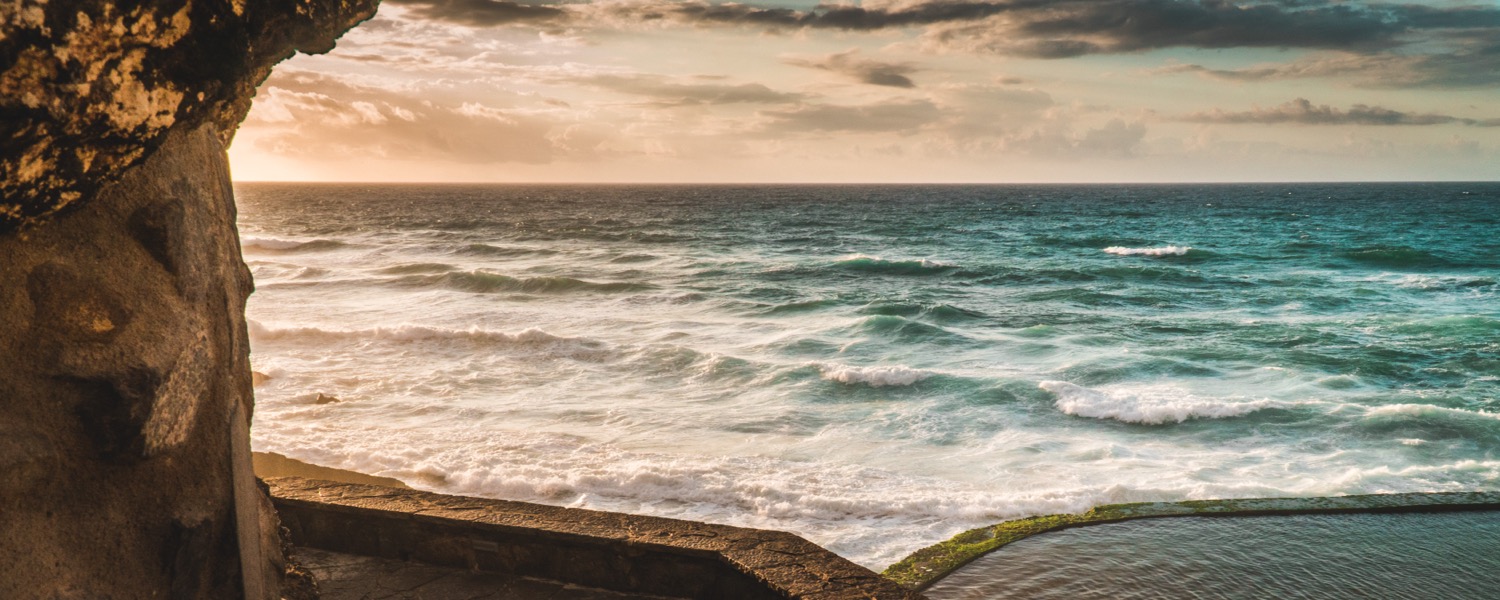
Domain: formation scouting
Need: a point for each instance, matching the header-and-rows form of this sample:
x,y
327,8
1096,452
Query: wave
x,y
1152,407
902,328
265,271
279,246
488,250
878,376
410,268
941,313
1161,251
529,338
876,264
634,258
1395,257
1430,413
1453,326
797,307
485,282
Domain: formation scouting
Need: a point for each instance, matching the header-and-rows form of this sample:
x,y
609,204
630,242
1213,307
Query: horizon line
x,y
853,183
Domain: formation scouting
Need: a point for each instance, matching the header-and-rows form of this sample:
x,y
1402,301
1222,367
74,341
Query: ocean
x,y
877,368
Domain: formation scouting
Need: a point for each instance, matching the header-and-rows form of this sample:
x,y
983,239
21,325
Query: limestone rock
x,y
91,87
125,387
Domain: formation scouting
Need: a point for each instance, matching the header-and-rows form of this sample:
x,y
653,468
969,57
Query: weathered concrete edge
x,y
781,564
922,568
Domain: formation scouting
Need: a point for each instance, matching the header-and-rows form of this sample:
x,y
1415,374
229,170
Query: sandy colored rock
x,y
125,388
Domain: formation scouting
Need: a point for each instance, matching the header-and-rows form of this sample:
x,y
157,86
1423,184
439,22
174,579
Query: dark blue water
x,y
880,367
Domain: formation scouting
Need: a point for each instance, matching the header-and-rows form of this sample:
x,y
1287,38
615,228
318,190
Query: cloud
x,y
315,116
864,70
893,116
681,94
1303,112
1115,139
483,13
1032,28
1473,65
831,16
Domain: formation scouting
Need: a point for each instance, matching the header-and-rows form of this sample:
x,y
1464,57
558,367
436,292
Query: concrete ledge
x,y
924,567
612,551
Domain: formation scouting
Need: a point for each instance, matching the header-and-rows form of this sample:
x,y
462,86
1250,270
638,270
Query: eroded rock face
x,y
125,389
91,87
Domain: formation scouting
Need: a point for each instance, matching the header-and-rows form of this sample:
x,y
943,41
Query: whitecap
x,y
877,376
1152,405
1428,411
1162,251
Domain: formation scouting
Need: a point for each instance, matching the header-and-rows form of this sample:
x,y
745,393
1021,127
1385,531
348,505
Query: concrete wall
x,y
626,553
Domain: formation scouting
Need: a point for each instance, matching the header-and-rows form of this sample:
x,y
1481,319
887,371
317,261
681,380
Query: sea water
x,y
877,368
1451,556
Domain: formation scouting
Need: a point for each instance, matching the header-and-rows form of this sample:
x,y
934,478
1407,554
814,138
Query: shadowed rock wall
x,y
125,396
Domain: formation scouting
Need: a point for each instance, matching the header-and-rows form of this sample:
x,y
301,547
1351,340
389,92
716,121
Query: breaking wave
x,y
1153,407
880,376
1162,251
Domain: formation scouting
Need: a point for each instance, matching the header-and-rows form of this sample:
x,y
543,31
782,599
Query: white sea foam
x,y
866,262
1149,405
1162,251
878,376
1397,411
870,515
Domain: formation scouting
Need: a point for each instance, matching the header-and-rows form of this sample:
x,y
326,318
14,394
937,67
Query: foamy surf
x,y
876,376
1162,251
872,516
1148,406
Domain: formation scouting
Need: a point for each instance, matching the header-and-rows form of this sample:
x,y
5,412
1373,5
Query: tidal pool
x,y
1453,555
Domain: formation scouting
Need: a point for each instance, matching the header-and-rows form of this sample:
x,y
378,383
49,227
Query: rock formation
x,y
125,388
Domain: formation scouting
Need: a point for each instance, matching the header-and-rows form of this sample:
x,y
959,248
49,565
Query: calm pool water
x,y
1417,556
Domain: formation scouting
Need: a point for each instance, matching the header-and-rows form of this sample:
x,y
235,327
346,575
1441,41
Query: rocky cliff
x,y
125,393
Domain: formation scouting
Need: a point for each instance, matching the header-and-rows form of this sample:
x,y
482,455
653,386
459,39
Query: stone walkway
x,y
351,577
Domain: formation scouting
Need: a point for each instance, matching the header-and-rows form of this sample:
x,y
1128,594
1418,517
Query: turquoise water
x,y
1453,556
878,368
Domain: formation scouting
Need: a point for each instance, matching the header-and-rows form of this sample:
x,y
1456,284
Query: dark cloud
x,y
905,116
1303,112
483,13
667,91
1037,28
1067,28
833,16
863,70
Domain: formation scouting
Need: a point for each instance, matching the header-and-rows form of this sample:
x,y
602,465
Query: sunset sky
x,y
889,91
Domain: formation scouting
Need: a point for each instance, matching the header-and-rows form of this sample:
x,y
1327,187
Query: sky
x,y
887,91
